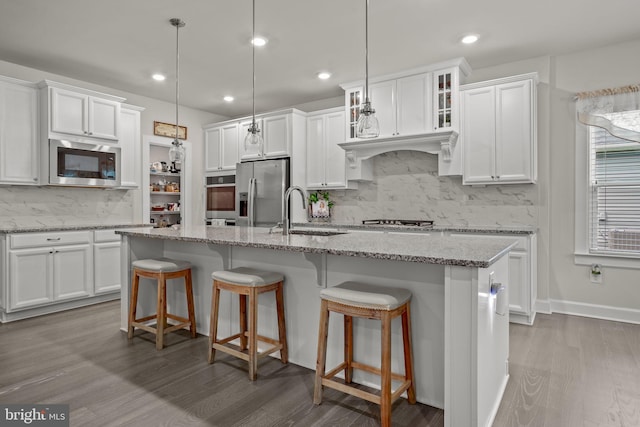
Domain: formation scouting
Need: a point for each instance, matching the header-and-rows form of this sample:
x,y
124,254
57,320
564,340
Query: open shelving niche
x,y
156,149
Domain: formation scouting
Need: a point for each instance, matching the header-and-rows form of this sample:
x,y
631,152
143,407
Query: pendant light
x,y
253,141
176,152
367,126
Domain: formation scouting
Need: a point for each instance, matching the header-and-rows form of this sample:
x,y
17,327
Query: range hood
x,y
441,143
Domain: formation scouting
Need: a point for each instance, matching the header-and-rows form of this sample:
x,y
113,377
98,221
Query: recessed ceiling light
x,y
469,39
158,77
259,41
324,75
228,98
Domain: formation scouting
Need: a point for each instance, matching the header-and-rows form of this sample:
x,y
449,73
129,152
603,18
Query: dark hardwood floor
x,y
565,371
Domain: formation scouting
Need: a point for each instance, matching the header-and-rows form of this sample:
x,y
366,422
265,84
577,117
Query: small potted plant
x,y
319,206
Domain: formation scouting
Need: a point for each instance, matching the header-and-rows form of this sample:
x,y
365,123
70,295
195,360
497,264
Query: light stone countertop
x,y
488,229
471,251
47,228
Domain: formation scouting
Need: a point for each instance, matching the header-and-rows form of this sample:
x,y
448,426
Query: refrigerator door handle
x,y
252,201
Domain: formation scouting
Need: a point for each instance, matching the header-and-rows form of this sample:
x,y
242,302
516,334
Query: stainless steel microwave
x,y
83,165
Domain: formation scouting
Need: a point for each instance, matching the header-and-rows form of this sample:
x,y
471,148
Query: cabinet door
x,y
229,147
130,148
518,282
514,136
104,116
353,101
72,272
249,153
277,135
30,273
383,100
445,94
212,144
478,131
335,156
413,104
19,162
68,112
316,151
107,267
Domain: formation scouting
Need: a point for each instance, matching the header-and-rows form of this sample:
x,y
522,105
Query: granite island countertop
x,y
487,229
467,251
62,227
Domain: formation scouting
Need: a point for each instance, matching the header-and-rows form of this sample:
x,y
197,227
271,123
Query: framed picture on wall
x,y
169,130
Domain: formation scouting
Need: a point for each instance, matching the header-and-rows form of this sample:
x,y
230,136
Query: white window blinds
x,y
615,190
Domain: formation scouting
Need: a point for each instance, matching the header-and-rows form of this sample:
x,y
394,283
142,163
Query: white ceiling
x,y
120,43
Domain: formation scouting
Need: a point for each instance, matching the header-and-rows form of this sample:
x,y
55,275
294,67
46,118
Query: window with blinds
x,y
615,191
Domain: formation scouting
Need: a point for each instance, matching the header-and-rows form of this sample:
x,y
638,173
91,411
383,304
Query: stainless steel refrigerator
x,y
260,188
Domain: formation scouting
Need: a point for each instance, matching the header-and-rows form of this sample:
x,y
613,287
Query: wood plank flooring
x,y
565,371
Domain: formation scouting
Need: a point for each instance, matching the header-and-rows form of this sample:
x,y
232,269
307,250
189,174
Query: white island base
x,y
460,344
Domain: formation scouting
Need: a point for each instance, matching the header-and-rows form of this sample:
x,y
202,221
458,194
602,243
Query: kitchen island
x,y
460,341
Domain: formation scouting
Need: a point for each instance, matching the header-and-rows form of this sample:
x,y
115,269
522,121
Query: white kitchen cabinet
x,y
19,137
326,160
130,146
107,261
49,267
52,271
83,114
417,102
499,131
221,147
278,129
523,284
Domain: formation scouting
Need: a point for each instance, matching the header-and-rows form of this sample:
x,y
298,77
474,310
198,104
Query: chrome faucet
x,y
286,222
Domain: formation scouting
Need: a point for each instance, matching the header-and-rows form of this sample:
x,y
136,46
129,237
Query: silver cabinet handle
x,y
50,239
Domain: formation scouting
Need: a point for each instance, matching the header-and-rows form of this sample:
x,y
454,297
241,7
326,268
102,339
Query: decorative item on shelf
x,y
172,187
173,207
319,208
253,141
155,187
367,126
176,152
158,208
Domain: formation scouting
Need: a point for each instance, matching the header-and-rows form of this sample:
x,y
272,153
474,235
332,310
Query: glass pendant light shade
x,y
176,152
253,142
367,126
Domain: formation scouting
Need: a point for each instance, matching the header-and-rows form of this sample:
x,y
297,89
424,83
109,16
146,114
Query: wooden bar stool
x,y
249,282
161,269
353,299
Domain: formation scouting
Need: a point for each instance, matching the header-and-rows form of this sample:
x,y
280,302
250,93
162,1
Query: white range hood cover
x,y
440,143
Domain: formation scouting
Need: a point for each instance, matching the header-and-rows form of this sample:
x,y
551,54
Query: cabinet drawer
x,y
522,239
105,236
49,239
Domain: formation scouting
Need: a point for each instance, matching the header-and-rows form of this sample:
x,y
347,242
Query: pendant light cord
x,y
253,66
178,23
366,52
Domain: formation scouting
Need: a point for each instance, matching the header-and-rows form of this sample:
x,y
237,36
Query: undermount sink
x,y
316,232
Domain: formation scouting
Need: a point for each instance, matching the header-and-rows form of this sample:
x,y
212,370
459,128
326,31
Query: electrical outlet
x,y
596,273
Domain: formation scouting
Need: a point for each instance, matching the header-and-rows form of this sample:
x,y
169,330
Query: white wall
x,y
20,205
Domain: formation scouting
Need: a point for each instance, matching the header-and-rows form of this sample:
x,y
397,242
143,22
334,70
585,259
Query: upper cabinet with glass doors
x,y
415,102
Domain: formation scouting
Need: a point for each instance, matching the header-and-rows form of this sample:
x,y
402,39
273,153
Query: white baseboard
x,y
543,306
604,312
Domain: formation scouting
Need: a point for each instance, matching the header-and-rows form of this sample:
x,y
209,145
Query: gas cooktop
x,y
408,222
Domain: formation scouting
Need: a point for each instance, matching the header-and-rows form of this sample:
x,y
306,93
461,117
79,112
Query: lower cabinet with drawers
x,y
52,271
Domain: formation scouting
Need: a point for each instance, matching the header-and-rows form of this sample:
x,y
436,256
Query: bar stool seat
x,y
356,299
247,282
161,269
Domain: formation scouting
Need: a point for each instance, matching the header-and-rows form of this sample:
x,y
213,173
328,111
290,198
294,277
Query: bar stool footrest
x,y
328,381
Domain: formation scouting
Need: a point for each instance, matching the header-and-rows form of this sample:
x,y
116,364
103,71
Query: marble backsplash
x,y
22,206
406,185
